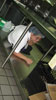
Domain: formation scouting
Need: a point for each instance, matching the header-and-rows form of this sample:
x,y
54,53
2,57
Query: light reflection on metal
x,y
3,5
52,2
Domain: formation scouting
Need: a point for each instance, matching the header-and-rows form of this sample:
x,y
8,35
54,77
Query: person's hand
x,y
29,61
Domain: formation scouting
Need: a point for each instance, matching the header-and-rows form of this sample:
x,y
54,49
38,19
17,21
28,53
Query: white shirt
x,y
15,35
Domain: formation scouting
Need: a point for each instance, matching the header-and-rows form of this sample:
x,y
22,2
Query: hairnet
x,y
35,31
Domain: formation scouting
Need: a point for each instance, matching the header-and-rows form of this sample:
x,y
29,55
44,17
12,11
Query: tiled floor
x,y
8,87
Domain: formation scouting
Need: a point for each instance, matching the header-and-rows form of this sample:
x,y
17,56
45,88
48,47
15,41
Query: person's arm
x,y
21,56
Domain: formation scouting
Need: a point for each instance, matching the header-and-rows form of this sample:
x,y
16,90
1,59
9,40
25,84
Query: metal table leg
x,y
3,5
22,20
47,52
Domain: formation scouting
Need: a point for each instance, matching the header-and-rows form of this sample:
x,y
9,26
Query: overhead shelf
x,y
46,28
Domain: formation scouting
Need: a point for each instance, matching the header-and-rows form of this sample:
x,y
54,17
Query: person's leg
x,y
37,81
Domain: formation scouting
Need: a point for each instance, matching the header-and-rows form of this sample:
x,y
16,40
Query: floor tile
x,y
8,97
17,97
11,81
15,90
7,66
6,90
2,72
0,92
1,98
3,80
6,79
8,72
1,63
